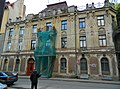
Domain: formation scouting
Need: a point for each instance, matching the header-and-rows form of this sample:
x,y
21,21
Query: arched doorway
x,y
63,65
30,66
5,64
83,66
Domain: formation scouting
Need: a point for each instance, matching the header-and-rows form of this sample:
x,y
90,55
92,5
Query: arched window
x,y
63,63
105,66
17,65
83,66
5,65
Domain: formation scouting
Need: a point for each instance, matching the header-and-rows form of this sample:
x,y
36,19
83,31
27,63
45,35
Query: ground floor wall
x,y
80,65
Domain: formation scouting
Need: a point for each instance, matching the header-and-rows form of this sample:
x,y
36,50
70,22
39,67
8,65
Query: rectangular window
x,y
64,25
100,20
64,42
34,29
11,32
33,44
82,41
21,31
102,40
48,25
8,46
82,23
20,45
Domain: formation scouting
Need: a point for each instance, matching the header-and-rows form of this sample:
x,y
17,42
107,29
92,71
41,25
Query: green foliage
x,y
117,8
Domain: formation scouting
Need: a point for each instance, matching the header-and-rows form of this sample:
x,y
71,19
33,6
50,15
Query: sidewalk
x,y
77,80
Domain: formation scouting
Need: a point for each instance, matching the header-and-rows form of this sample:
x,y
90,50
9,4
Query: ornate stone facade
x,y
84,42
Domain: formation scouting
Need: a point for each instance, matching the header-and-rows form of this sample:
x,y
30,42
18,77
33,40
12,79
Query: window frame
x,y
11,32
33,45
102,40
83,42
8,46
101,20
105,67
48,25
20,45
64,25
22,31
34,29
63,42
82,23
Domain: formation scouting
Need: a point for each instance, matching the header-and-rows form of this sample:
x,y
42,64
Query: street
x,y
55,84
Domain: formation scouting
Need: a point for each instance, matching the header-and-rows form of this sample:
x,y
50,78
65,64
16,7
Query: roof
x,y
60,5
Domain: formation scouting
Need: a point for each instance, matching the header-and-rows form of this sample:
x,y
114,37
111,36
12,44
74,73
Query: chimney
x,y
87,6
93,5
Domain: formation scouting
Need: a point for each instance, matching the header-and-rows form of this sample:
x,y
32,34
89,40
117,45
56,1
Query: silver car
x,y
3,86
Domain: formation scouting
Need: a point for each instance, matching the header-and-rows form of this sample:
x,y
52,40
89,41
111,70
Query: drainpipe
x,y
76,67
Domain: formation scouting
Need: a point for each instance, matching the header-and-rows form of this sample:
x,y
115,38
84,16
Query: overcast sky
x,y
35,6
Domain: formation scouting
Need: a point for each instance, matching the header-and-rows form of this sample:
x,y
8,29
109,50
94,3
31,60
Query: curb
x,y
76,80
80,80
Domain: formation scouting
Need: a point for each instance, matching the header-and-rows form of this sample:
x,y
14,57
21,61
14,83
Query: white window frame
x,y
83,43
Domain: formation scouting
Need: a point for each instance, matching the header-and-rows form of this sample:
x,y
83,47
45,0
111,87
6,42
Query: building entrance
x,y
30,66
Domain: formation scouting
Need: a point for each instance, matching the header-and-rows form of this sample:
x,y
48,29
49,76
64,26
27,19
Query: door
x,y
30,66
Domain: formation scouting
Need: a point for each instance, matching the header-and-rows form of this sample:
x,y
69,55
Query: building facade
x,y
84,44
12,12
2,4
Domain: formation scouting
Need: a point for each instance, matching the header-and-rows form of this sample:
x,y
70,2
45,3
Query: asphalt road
x,y
55,84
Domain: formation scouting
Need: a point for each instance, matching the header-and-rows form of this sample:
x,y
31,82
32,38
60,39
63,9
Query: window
x,y
20,45
64,42
82,23
63,65
48,25
17,65
83,66
100,21
82,41
102,40
21,31
11,32
34,29
8,46
105,66
64,25
5,65
33,44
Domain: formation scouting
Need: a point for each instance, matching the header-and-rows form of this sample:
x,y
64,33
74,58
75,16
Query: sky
x,y
35,6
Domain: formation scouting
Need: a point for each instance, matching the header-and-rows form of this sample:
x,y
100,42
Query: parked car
x,y
12,74
3,86
6,79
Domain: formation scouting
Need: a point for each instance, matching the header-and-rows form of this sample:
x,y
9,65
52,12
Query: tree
x,y
117,8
